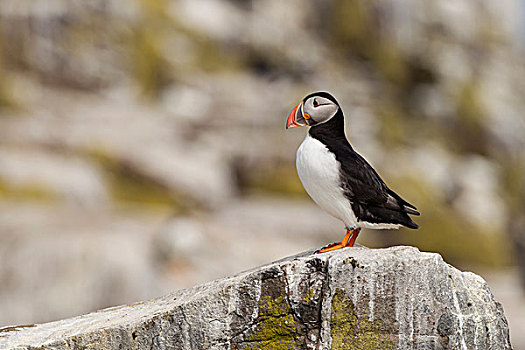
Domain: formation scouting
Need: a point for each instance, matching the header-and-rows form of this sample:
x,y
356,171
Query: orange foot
x,y
347,241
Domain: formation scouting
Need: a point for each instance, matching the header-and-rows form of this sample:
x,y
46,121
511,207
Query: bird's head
x,y
314,109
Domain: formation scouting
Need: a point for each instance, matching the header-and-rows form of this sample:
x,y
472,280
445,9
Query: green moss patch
x,y
349,331
276,329
31,192
276,179
309,296
127,185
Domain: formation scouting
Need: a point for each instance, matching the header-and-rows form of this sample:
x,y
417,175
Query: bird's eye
x,y
316,104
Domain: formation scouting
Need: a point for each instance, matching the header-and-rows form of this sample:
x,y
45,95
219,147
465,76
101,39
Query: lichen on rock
x,y
349,331
275,325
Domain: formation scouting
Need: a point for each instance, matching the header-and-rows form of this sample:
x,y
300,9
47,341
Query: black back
x,y
371,199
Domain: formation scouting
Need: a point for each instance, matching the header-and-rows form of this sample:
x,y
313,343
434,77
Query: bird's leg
x,y
355,233
347,241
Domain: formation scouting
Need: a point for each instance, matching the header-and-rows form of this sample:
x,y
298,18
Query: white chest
x,y
319,172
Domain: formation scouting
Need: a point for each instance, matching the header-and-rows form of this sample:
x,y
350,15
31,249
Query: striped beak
x,y
296,117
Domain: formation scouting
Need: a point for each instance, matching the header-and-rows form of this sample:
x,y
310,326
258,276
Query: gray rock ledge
x,y
355,298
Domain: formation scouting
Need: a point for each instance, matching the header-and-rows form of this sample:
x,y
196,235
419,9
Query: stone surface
x,y
65,264
395,298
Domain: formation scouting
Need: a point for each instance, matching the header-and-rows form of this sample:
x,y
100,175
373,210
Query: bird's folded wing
x,y
362,184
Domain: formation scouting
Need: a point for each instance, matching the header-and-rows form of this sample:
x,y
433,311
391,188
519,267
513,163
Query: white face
x,y
319,109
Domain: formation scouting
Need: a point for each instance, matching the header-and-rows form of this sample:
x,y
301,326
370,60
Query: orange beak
x,y
296,117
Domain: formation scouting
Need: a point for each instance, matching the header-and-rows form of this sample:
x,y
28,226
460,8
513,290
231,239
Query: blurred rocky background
x,y
142,143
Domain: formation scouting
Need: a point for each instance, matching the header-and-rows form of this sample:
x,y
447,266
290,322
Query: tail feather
x,y
411,224
403,204
409,210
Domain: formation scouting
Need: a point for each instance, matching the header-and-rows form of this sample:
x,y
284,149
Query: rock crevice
x,y
358,298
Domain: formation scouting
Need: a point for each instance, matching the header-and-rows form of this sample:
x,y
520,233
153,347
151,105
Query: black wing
x,y
370,197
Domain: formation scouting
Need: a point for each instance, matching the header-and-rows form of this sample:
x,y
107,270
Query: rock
x,y
45,175
115,129
56,262
395,298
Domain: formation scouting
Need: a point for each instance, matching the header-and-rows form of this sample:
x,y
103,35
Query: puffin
x,y
338,179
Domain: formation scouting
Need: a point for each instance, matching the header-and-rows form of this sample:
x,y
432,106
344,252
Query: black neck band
x,y
331,130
